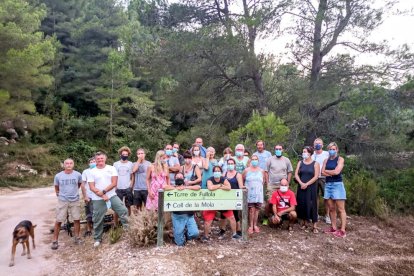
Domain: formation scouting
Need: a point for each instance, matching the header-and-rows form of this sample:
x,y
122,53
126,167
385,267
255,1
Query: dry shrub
x,y
143,227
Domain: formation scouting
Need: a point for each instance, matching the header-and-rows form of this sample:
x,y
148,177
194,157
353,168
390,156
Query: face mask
x,y
174,150
255,163
278,153
188,161
318,146
179,182
124,158
230,167
332,152
91,166
227,156
214,162
163,161
305,156
284,189
196,152
239,153
216,174
168,152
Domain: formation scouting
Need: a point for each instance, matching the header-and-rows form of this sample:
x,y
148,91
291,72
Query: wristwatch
x,y
103,191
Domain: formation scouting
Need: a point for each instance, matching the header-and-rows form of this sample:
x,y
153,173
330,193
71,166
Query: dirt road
x,y
36,205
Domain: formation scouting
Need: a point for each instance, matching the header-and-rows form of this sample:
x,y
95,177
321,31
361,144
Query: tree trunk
x,y
317,44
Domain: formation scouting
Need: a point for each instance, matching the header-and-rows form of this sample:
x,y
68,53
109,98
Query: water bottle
x,y
108,204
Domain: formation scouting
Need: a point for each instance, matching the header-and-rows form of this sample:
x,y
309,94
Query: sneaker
x,y
339,234
330,230
97,244
55,245
205,239
265,221
236,237
239,233
327,220
78,241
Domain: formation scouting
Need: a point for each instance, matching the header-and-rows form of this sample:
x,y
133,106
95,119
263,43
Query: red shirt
x,y
281,203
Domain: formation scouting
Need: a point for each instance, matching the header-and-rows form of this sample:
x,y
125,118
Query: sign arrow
x,y
170,194
168,205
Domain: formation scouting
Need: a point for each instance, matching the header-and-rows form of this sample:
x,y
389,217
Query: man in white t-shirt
x,y
319,156
125,182
102,182
88,195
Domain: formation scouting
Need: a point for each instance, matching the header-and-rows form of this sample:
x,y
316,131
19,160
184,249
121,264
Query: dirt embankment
x,y
372,247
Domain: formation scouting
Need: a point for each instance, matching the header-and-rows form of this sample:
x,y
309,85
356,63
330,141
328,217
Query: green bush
x,y
79,151
396,187
363,196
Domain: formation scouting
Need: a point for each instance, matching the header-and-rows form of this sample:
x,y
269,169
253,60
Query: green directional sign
x,y
189,200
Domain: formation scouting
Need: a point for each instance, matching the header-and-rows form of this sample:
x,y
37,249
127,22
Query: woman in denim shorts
x,y
334,190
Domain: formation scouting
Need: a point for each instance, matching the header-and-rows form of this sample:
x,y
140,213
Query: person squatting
x,y
265,175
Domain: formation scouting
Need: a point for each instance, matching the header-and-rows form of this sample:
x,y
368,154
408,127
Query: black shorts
x,y
127,194
89,211
140,197
321,185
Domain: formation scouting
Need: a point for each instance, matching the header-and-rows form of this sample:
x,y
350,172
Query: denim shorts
x,y
335,190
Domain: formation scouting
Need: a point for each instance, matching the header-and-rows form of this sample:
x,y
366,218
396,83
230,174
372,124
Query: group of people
x,y
266,177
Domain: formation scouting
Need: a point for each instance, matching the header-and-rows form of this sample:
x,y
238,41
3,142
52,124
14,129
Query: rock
x,y
4,141
12,141
13,133
220,256
351,249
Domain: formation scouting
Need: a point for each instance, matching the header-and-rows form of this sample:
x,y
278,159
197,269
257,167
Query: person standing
x,y
176,153
262,154
172,162
67,184
157,178
102,182
319,156
192,173
335,190
278,167
227,154
242,162
140,175
88,196
125,179
306,174
208,163
254,179
199,143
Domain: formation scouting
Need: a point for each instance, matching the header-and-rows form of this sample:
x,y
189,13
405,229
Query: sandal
x,y
250,230
315,230
303,227
256,229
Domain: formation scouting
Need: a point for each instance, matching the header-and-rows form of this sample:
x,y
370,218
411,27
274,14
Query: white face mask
x,y
284,189
305,155
196,152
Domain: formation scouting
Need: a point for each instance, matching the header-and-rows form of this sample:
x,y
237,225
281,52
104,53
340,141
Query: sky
x,y
397,29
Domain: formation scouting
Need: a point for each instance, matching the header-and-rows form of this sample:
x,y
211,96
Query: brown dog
x,y
21,235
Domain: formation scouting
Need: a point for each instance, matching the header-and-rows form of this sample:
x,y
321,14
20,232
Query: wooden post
x,y
245,216
160,226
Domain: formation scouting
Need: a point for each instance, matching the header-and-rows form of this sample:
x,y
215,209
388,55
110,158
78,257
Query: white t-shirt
x,y
320,158
103,178
85,179
124,170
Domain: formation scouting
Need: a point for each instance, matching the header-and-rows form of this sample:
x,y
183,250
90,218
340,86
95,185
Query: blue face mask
x,y
332,152
230,167
217,174
213,162
168,152
93,165
255,163
239,153
318,146
278,153
174,150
